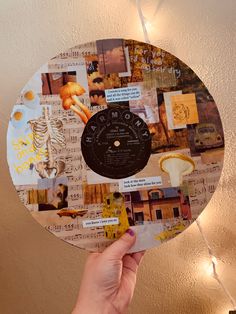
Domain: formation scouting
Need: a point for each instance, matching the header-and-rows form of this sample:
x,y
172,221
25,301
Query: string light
x,y
213,270
148,25
207,267
143,21
212,267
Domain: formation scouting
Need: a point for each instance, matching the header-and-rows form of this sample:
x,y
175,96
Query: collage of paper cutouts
x,y
111,135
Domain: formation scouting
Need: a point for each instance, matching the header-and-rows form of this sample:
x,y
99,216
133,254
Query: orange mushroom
x,y
68,103
68,94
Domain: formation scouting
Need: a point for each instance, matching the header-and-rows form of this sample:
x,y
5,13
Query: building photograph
x,y
157,204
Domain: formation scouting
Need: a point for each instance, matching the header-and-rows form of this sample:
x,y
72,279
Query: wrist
x,y
92,306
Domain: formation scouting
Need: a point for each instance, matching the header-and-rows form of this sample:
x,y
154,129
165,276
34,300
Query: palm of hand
x,y
115,278
109,279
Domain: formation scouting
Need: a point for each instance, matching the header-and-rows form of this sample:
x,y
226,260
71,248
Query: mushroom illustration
x,y
69,94
176,165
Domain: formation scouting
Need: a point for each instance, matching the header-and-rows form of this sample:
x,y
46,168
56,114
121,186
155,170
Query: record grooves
x,y
116,143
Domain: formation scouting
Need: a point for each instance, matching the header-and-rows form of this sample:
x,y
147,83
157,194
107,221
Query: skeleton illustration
x,y
48,131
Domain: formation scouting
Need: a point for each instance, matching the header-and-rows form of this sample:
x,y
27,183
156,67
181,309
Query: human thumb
x,y
121,247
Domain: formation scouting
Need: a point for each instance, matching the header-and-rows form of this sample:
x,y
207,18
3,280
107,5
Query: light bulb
x,y
214,260
210,270
148,25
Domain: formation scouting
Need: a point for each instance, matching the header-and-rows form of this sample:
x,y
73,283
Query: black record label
x,y
116,143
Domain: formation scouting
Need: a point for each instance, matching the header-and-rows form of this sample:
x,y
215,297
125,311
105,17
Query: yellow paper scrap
x,y
184,109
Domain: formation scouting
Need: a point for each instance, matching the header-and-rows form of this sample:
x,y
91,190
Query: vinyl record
x,y
111,135
116,143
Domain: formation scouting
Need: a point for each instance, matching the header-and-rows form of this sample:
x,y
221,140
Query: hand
x,y
109,278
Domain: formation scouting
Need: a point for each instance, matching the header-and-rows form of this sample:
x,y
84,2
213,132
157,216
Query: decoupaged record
x,y
111,135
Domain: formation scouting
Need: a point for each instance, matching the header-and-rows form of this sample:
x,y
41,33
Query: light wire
x,y
215,274
213,262
143,22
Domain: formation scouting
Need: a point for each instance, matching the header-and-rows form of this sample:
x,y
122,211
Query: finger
x,y
138,256
120,247
129,264
93,255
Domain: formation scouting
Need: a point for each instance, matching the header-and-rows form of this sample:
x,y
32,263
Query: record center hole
x,y
117,143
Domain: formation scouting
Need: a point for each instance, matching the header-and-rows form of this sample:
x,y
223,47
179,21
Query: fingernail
x,y
130,232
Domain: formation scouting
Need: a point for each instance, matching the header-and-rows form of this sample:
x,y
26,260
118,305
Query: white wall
x,y
38,272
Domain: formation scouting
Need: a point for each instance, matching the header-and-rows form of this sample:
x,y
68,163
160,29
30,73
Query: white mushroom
x,y
176,165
